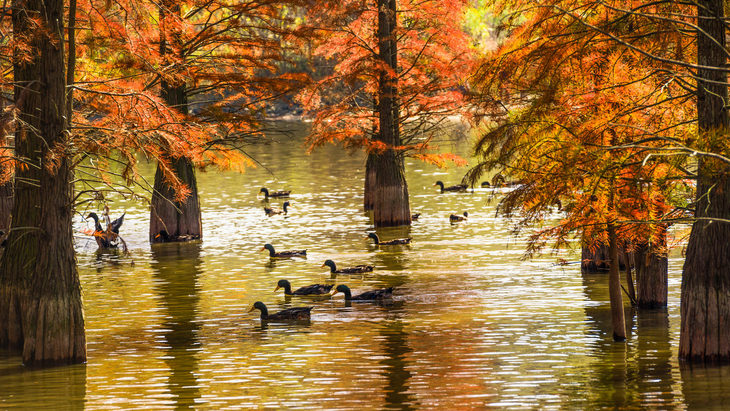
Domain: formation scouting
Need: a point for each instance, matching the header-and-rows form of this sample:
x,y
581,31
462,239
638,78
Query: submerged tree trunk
x,y
179,220
652,277
40,295
390,205
369,196
614,288
705,304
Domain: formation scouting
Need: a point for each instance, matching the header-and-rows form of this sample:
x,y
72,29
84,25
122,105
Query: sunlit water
x,y
471,325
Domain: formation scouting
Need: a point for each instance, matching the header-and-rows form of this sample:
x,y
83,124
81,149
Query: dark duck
x,y
396,241
458,187
455,217
348,270
283,254
314,289
373,295
280,193
106,238
274,211
290,314
164,237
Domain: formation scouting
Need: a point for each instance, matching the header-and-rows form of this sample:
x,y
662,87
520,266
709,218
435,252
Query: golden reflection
x,y
176,267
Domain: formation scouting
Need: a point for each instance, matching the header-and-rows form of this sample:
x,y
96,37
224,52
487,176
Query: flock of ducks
x,y
109,238
299,314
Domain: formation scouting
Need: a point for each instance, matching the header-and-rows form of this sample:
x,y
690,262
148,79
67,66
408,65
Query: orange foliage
x,y
225,53
434,58
585,104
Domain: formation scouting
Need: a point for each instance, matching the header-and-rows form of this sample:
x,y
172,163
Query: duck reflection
x,y
177,268
395,351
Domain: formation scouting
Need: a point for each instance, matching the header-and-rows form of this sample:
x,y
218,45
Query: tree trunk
x,y
630,289
180,220
599,260
705,304
390,206
614,288
175,218
40,295
369,197
6,203
652,277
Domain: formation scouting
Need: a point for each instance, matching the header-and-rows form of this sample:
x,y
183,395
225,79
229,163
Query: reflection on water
x,y
176,267
471,325
396,349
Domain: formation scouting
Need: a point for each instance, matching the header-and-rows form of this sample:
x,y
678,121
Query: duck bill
x,y
262,248
333,293
250,309
277,288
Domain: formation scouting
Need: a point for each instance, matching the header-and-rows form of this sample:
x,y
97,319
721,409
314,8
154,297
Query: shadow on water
x,y
177,268
395,349
705,387
635,373
54,388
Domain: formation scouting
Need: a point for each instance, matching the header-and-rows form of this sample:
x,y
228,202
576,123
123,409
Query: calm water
x,y
471,326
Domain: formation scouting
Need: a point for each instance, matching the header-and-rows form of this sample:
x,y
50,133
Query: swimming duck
x,y
106,238
290,314
455,217
415,216
366,296
268,194
349,270
313,289
396,241
273,211
164,237
458,187
284,254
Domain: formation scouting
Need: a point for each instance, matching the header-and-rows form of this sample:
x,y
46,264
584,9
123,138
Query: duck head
x,y
258,305
342,288
285,285
330,264
374,237
270,248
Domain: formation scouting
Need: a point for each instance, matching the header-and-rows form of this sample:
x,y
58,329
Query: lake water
x,y
471,325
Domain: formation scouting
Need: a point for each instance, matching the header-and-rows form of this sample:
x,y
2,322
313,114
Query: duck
x,y
283,254
486,184
456,217
290,314
280,193
314,289
164,237
458,187
396,241
415,216
349,270
106,238
372,295
273,211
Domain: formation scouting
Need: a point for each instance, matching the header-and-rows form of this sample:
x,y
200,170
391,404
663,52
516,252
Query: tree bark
x,y
652,277
705,304
6,203
391,204
180,220
614,288
369,196
599,260
40,295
